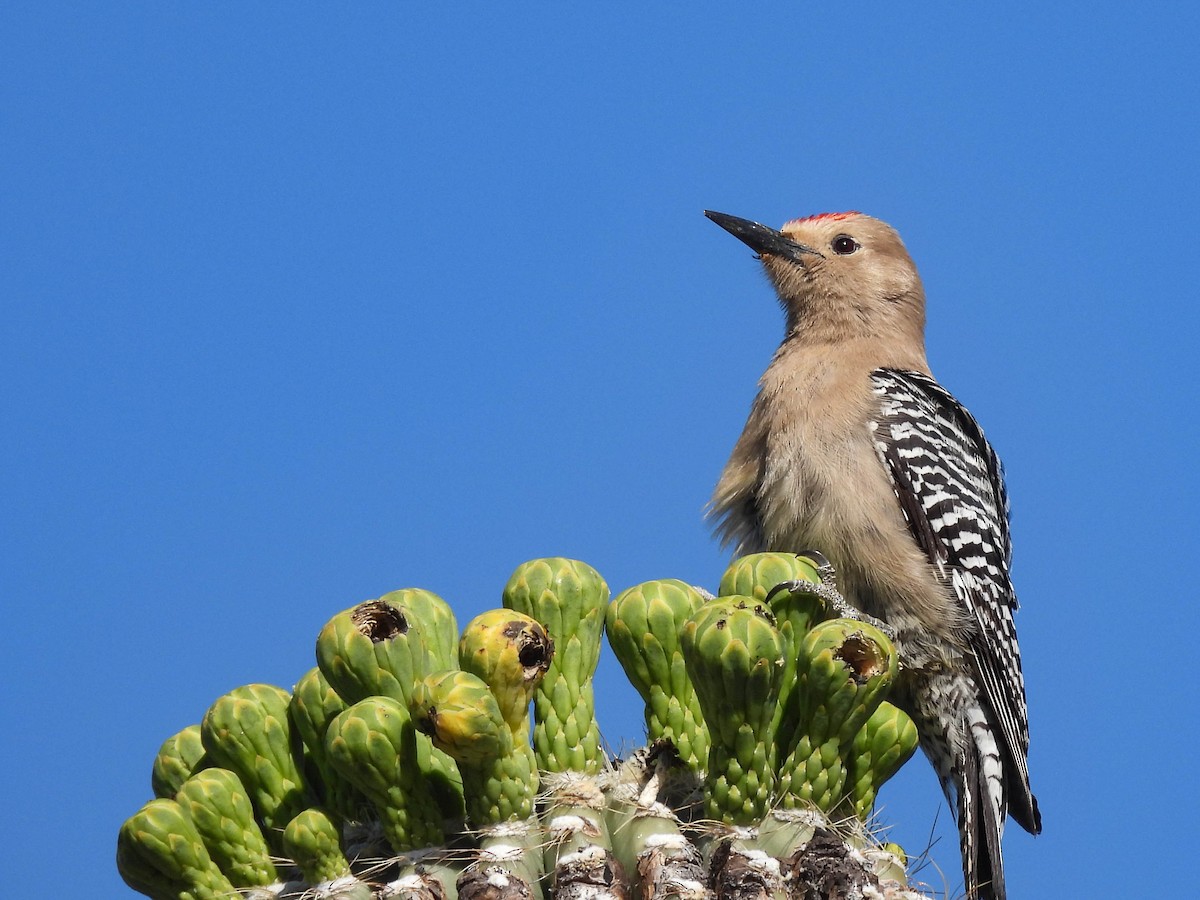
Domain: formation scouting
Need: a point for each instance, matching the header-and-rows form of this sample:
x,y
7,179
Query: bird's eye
x,y
844,245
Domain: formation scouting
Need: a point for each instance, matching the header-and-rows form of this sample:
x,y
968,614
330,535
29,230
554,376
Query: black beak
x,y
762,240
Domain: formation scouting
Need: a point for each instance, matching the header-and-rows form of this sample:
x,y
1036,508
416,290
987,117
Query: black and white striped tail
x,y
980,804
961,744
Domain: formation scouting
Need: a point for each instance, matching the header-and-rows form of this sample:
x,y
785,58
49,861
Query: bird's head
x,y
837,274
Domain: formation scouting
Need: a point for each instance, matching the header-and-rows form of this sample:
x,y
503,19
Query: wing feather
x,y
950,486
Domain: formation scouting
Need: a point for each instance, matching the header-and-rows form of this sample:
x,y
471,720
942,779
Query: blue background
x,y
302,305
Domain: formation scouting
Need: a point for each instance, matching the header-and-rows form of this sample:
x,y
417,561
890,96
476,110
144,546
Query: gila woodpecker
x,y
853,448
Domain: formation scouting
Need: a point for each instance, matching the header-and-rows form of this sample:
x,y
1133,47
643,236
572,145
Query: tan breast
x,y
824,487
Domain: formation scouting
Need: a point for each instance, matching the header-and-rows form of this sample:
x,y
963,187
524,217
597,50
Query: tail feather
x,y
958,737
980,814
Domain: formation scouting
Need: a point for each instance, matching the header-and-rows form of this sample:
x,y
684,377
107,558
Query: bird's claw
x,y
833,601
823,566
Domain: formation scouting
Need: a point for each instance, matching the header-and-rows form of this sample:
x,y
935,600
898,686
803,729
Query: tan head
x,y
839,276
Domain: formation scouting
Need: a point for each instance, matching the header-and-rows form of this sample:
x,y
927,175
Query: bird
x,y
852,447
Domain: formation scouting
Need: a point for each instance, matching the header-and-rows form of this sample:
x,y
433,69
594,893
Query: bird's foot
x,y
823,566
834,601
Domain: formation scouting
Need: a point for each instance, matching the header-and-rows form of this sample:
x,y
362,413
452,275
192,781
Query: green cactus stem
x,y
461,714
160,854
248,732
577,846
313,842
462,717
313,706
219,807
885,742
568,598
845,669
656,857
734,655
643,625
373,745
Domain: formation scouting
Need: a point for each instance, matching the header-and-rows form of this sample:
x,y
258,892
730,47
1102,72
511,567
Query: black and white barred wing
x,y
951,488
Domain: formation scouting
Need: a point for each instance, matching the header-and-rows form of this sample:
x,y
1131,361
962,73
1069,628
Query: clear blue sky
x,y
304,305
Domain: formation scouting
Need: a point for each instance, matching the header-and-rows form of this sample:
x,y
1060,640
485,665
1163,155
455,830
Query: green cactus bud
x,y
461,714
313,706
459,711
643,625
160,854
883,744
374,745
734,655
312,841
220,810
180,755
375,649
438,625
248,732
378,649
756,574
511,652
845,669
763,576
796,611
568,598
